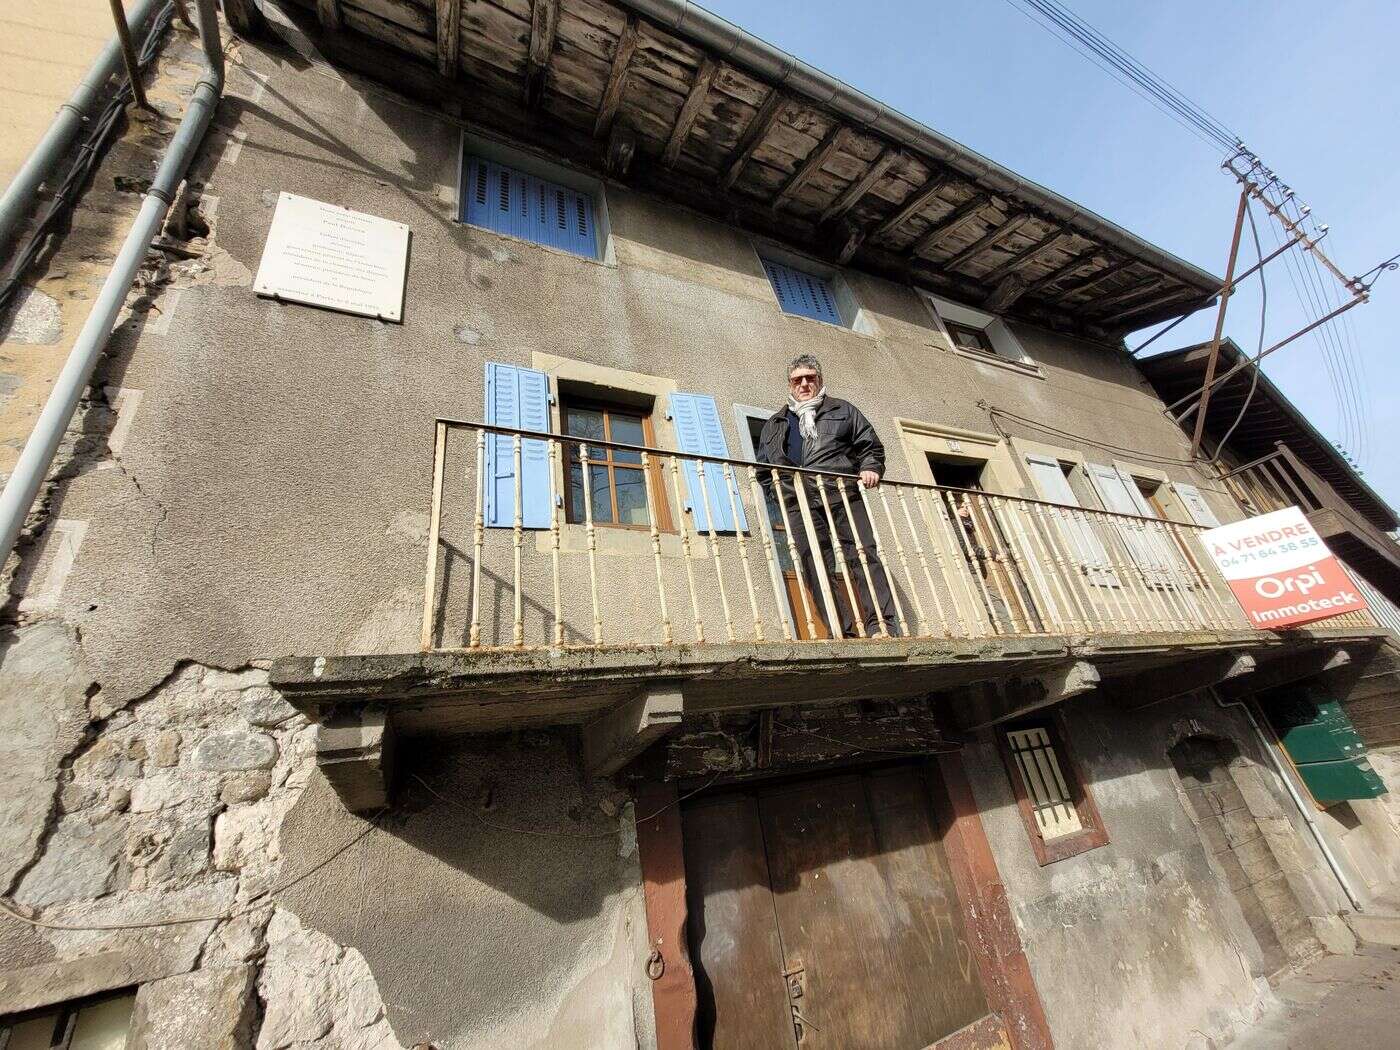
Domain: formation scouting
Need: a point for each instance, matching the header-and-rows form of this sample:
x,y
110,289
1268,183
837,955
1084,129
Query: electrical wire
x,y
1136,453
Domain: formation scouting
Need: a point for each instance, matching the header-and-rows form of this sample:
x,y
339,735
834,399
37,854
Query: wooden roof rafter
x,y
1149,286
852,194
754,134
690,109
829,145
1093,280
617,77
1027,255
989,240
954,220
544,22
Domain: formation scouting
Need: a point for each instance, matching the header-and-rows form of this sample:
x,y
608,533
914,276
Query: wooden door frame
x,y
991,929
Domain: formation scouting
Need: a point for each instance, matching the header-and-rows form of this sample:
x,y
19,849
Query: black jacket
x,y
846,442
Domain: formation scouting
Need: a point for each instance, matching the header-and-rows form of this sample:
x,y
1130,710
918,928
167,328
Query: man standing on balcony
x,y
820,432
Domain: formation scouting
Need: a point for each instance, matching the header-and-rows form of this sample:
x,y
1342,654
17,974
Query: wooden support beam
x,y
1187,296
690,109
834,140
913,204
1159,684
988,240
622,149
328,11
1142,288
754,134
544,20
949,223
1093,280
449,36
354,749
621,734
1005,294
858,189
1027,255
1285,670
1060,272
617,78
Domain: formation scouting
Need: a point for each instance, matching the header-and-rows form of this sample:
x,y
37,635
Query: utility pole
x,y
1226,291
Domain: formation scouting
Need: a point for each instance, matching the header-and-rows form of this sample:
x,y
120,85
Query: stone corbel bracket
x,y
354,749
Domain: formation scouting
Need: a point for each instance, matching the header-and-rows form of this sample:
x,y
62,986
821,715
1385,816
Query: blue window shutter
x,y
519,205
516,397
802,293
698,430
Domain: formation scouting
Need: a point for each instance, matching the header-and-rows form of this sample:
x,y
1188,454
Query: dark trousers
x,y
872,612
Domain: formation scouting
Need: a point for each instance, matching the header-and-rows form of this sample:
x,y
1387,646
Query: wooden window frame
x,y
1094,834
656,491
65,1016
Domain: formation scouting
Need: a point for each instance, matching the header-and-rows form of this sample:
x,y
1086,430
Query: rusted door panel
x,y
868,914
743,1003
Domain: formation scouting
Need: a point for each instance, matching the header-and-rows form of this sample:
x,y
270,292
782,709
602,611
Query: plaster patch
x,y
35,320
126,402
56,561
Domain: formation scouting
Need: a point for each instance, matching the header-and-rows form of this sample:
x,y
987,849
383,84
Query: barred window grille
x,y
1039,767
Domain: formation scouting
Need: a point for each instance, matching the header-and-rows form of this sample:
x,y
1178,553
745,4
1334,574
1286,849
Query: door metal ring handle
x,y
656,964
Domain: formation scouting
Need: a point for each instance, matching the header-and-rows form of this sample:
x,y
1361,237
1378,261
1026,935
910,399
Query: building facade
x,y
452,679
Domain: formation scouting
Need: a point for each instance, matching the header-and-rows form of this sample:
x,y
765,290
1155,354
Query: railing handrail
x,y
546,435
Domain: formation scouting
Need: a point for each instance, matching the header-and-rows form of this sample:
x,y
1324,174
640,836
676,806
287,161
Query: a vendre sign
x,y
1280,571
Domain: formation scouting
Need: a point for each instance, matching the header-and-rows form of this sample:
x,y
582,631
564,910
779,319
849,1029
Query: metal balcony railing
x,y
639,545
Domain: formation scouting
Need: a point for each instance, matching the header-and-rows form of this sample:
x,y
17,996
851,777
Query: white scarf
x,y
807,414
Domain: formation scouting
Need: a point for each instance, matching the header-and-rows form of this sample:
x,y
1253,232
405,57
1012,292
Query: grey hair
x,y
805,361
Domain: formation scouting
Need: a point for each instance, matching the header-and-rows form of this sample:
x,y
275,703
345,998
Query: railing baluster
x,y
656,550
685,551
518,540
555,472
1079,568
960,567
840,554
714,549
884,561
1027,568
833,621
1047,528
1133,593
434,528
1062,611
923,560
592,543
1004,556
1119,609
775,574
794,557
971,542
742,541
478,540
919,614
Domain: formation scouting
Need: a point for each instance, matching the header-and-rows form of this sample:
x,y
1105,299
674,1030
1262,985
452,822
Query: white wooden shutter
x,y
1146,547
1075,533
1195,504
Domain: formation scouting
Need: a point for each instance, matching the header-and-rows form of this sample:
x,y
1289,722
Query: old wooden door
x,y
823,916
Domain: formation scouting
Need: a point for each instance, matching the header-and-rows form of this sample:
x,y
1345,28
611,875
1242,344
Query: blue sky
x,y
1310,87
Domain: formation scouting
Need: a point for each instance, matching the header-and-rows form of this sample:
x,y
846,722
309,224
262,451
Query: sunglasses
x,y
810,377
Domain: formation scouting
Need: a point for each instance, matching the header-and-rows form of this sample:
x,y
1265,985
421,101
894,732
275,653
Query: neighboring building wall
x,y
265,493
1142,937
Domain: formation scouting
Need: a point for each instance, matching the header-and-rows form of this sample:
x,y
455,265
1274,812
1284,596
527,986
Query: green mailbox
x,y
1325,746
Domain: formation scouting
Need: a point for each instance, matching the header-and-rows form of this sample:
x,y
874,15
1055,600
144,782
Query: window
x,y
803,293
1076,531
92,1024
965,337
1059,814
978,333
509,201
619,486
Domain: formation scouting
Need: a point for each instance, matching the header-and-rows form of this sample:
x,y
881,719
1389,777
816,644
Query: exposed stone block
x,y
236,751
354,749
246,787
263,706
79,862
164,748
209,1009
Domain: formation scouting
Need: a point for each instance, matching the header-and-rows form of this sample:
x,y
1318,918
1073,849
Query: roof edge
x,y
740,47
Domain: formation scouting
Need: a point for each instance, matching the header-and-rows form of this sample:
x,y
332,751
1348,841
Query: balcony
x,y
590,582
1281,479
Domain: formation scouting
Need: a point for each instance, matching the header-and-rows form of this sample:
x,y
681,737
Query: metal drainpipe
x,y
18,198
34,461
1298,800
